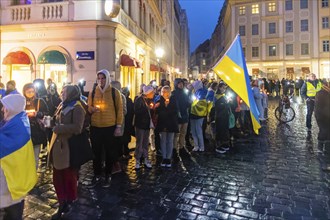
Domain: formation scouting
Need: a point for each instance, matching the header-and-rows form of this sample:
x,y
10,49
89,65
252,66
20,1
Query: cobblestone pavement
x,y
276,175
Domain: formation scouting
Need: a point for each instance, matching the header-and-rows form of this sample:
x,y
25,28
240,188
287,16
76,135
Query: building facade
x,y
69,40
280,38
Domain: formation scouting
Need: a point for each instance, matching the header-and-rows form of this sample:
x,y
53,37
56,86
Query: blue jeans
x,y
166,144
196,127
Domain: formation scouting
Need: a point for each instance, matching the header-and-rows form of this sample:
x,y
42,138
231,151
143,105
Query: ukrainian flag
x,y
231,68
17,157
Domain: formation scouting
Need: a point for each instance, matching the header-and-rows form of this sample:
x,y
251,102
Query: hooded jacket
x,y
109,114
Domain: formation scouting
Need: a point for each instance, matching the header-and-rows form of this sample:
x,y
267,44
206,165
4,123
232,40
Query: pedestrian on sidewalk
x,y
322,113
69,120
308,92
143,109
105,105
17,169
167,124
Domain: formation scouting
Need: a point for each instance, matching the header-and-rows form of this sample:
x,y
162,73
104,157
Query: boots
x,y
64,207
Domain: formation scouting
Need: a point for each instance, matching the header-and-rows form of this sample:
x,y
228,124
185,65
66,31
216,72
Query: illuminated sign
x,y
85,55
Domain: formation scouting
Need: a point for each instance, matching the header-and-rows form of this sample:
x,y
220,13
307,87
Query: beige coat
x,y
70,123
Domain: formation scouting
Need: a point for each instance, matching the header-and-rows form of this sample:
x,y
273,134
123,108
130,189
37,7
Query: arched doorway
x,y
18,67
53,65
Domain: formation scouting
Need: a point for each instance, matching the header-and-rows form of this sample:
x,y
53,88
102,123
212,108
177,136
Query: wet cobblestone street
x,y
276,175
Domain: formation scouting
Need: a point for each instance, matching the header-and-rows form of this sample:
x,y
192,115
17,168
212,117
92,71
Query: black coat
x,y
129,129
183,104
38,132
142,118
167,117
222,119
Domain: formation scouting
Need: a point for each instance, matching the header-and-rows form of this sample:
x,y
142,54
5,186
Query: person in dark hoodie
x,y
11,88
182,105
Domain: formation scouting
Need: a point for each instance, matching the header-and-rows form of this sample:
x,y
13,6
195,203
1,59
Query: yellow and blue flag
x,y
231,68
17,156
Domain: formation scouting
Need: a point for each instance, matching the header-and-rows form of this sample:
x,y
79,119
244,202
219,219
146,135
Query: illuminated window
x,y
271,6
203,62
303,4
288,26
289,49
272,28
288,5
272,50
255,51
255,9
241,30
325,22
304,49
325,3
326,46
304,25
255,29
242,10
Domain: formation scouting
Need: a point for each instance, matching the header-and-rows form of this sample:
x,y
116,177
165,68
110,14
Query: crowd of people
x,y
162,118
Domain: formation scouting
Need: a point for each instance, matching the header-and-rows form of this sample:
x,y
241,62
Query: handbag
x,y
232,121
80,149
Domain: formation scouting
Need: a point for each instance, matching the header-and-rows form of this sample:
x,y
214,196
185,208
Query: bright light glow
x,y
129,87
108,6
193,98
57,68
159,52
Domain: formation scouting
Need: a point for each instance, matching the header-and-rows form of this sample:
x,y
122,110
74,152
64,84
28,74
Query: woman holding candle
x,y
36,109
167,124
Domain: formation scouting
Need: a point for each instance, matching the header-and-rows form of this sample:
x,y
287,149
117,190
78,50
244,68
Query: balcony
x,y
36,13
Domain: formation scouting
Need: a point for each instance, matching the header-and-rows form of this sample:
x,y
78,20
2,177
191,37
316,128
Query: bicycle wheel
x,y
285,114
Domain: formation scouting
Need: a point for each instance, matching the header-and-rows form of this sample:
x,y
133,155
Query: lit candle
x,y
151,105
30,111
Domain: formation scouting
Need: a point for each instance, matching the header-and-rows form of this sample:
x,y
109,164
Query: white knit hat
x,y
14,103
147,90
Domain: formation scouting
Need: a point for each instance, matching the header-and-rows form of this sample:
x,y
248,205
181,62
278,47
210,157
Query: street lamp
x,y
159,54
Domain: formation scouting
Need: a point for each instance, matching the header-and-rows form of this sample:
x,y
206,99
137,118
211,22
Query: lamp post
x,y
159,54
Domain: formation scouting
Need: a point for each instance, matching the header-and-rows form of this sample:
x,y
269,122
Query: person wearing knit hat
x,y
17,171
144,108
13,105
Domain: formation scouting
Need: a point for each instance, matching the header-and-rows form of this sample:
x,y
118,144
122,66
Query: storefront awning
x,y
126,60
154,67
52,57
17,57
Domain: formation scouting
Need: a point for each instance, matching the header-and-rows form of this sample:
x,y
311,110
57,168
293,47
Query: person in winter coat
x,y
182,105
143,121
69,120
11,88
322,113
167,109
105,105
222,109
199,111
17,168
36,109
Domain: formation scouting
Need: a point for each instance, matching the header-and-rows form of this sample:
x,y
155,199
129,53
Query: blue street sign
x,y
85,55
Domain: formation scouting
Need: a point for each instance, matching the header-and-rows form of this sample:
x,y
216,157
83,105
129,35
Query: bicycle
x,y
284,112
